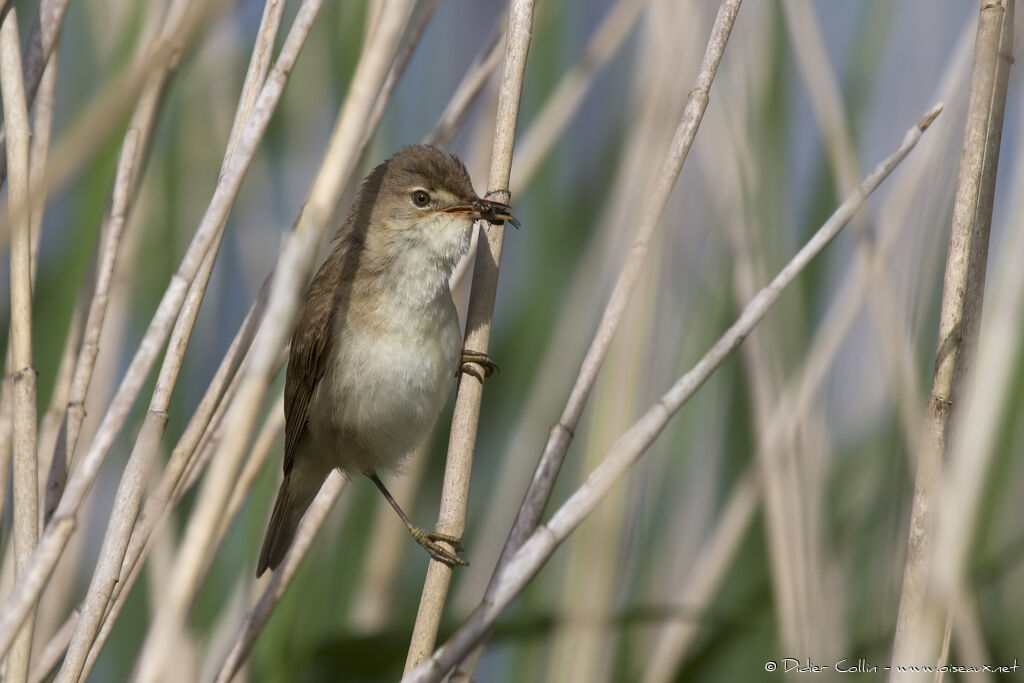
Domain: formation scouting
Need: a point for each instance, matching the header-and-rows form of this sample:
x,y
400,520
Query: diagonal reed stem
x,y
540,545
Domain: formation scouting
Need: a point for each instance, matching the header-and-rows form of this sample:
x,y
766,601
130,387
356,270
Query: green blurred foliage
x,y
310,637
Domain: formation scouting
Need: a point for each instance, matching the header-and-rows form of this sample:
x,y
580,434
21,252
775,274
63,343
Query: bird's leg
x,y
430,540
473,361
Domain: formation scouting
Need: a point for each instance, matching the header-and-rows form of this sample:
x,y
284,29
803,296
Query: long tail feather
x,y
294,496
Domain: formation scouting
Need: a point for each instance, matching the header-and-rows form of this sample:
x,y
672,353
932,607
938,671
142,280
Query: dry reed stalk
x,y
401,60
921,624
295,266
824,89
103,115
56,535
597,257
25,467
582,645
50,655
900,208
41,130
564,102
42,124
75,414
793,468
543,482
462,438
535,551
130,163
50,613
42,42
173,484
281,578
561,433
54,603
600,562
136,473
975,440
691,584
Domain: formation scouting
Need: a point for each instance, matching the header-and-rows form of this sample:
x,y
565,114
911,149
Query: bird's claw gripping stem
x,y
477,364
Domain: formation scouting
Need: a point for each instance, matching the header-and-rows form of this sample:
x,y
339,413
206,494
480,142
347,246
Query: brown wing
x,y
313,340
311,348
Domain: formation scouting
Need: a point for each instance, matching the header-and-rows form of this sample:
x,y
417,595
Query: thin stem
x,y
561,434
25,485
169,492
455,489
57,533
560,108
130,163
539,546
295,266
136,474
54,650
42,41
921,621
42,124
401,60
281,577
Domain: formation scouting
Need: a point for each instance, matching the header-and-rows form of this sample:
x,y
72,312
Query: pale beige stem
x,y
41,127
131,488
900,208
42,41
920,624
539,546
282,576
42,124
565,101
401,60
25,471
44,664
455,489
136,474
295,266
123,194
103,116
190,450
561,434
554,371
31,582
52,606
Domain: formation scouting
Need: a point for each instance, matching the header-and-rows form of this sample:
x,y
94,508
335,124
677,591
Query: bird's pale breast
x,y
386,383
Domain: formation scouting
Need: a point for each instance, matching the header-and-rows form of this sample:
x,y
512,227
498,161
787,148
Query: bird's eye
x,y
420,198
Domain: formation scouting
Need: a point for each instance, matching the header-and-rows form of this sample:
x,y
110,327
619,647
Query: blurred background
x,y
688,571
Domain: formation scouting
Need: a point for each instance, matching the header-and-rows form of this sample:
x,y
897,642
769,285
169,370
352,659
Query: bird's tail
x,y
296,493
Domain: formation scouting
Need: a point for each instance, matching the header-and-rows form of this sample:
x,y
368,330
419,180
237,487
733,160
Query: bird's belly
x,y
381,394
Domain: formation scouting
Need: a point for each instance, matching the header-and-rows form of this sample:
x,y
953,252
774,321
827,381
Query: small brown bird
x,y
378,341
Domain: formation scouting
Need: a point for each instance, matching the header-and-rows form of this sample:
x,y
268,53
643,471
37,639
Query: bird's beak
x,y
485,209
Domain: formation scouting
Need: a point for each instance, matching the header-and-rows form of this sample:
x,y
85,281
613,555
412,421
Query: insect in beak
x,y
495,212
485,209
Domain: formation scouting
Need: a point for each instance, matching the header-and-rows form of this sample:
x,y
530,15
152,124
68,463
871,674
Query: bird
x,y
377,341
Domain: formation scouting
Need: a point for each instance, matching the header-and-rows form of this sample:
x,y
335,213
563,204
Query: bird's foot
x,y
432,543
477,364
